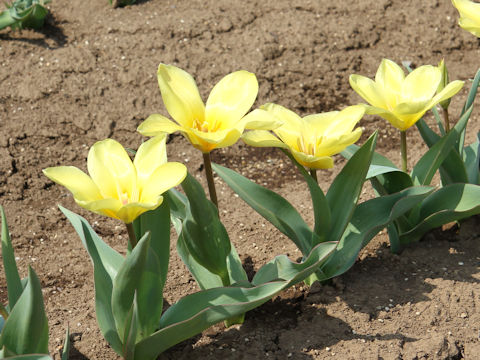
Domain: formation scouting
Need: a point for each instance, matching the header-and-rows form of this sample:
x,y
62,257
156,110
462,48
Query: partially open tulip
x,y
469,15
312,140
220,122
400,99
117,187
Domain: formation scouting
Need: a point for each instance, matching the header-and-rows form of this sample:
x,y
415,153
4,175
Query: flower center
x,y
205,126
309,145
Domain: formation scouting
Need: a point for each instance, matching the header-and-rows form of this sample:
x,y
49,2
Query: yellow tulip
x,y
117,187
400,99
220,122
312,140
469,15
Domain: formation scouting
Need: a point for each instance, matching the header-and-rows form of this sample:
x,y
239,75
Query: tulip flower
x,y
400,99
311,140
469,15
117,187
218,123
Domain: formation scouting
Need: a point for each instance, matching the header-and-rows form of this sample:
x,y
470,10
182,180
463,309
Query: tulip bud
x,y
445,103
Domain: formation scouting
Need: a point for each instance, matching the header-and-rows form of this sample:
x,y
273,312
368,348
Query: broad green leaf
x,y
26,329
429,163
106,263
321,210
450,203
130,332
468,104
177,202
282,268
471,160
343,194
30,357
197,312
14,285
368,219
273,207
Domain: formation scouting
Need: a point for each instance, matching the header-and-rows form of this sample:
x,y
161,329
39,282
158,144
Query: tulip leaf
x,y
468,104
273,207
368,219
205,236
26,329
30,357
321,210
106,264
282,268
14,284
177,202
66,345
130,332
449,203
345,190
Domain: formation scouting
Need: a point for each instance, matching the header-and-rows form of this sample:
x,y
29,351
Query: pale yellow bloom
x,y
400,99
312,140
117,187
469,15
220,122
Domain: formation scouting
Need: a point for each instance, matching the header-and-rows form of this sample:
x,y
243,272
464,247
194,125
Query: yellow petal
x,y
76,181
108,207
389,75
470,25
180,95
368,90
131,211
292,126
111,169
164,178
231,99
448,91
260,119
150,155
421,84
313,162
387,115
336,144
157,124
319,123
262,138
468,9
214,140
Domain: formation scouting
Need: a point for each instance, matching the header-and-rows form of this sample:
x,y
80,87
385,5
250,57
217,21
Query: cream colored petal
x,y
368,90
111,169
150,155
421,84
387,115
260,119
180,95
157,124
313,162
390,76
410,113
218,139
262,138
231,99
448,91
289,119
344,121
319,123
131,211
164,178
334,145
75,180
468,9
470,25
107,207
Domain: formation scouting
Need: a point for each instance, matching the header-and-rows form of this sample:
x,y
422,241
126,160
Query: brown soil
x,y
91,74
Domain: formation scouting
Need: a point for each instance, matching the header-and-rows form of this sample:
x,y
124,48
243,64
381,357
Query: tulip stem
x,y
209,173
313,174
131,235
446,120
403,139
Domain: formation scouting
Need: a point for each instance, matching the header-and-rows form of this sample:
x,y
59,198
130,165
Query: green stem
x,y
446,120
209,174
313,174
131,235
403,139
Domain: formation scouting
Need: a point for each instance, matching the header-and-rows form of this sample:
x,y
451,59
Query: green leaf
x,y
471,161
30,357
178,203
197,312
450,203
14,285
273,207
26,329
468,104
282,268
130,332
343,194
205,236
106,264
429,163
66,345
368,219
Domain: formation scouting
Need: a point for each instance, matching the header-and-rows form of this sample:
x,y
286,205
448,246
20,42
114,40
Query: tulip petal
x,y
217,139
292,126
163,178
150,155
262,138
260,119
319,123
313,162
387,115
180,95
76,181
108,207
468,10
368,90
334,145
131,211
111,169
231,98
157,124
389,76
421,84
448,91
470,25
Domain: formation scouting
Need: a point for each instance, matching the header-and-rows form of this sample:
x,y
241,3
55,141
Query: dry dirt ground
x,y
91,74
